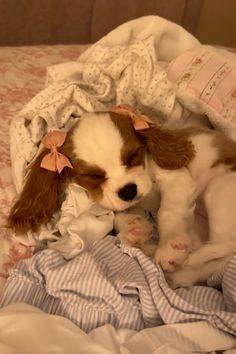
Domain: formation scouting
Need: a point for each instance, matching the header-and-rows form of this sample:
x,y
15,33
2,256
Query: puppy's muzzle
x,y
128,192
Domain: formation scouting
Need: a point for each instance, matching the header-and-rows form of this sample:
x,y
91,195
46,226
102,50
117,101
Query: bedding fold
x,y
115,285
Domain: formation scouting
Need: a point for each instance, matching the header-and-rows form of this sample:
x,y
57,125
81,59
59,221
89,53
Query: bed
x,y
23,75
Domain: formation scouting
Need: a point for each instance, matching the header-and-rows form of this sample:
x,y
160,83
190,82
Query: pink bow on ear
x,y
54,161
140,121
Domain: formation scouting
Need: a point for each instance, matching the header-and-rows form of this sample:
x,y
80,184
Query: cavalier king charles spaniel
x,y
125,163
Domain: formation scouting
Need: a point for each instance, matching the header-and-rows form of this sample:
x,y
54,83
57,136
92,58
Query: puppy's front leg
x,y
133,229
188,276
175,216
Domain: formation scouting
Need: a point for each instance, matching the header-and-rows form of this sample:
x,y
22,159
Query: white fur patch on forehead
x,y
97,140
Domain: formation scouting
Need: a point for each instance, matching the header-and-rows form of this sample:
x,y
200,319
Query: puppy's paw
x,y
193,261
172,254
136,232
182,278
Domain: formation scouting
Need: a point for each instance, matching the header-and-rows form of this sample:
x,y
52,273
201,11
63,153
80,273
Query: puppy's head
x,y
109,159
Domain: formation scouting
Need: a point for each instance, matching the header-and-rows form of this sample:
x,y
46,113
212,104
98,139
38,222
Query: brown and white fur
x,y
122,168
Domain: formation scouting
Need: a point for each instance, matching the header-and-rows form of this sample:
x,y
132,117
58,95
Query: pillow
x,y
206,84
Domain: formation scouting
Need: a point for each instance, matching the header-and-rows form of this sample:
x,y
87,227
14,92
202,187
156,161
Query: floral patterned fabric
x,y
22,76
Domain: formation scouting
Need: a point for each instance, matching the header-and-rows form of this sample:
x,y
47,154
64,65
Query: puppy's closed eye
x,y
134,157
93,178
90,177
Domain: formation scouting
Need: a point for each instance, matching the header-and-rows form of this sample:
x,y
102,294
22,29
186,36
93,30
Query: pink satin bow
x,y
140,121
54,161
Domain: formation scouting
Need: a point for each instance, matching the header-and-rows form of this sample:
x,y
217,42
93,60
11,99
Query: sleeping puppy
x,y
124,161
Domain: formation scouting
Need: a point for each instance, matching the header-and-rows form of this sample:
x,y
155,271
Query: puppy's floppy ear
x,y
169,149
39,198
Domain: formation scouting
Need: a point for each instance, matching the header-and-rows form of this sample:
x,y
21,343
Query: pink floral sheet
x,y
22,76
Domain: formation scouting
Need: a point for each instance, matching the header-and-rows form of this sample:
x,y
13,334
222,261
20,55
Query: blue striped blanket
x,y
117,285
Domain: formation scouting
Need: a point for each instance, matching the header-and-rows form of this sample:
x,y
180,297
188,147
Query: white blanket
x,y
51,334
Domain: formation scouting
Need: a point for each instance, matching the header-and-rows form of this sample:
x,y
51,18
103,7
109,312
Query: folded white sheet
x,y
26,330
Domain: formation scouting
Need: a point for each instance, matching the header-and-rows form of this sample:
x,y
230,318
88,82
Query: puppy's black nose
x,y
128,192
